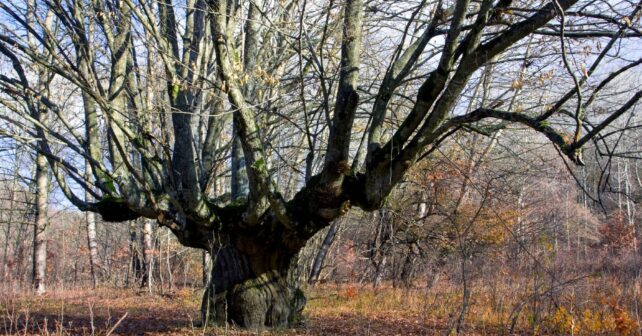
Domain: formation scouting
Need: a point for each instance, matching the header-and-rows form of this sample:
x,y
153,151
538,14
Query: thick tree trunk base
x,y
256,303
251,292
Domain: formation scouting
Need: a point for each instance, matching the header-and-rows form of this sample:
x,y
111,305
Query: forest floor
x,y
331,310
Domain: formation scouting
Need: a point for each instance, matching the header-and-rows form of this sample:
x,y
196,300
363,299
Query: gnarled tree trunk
x,y
249,286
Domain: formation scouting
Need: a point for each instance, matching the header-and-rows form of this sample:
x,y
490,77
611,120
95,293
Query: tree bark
x,y
90,217
13,190
323,251
249,287
136,272
207,267
148,248
40,228
93,247
239,182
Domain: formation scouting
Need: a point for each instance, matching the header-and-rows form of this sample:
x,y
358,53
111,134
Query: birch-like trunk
x,y
90,218
40,227
148,249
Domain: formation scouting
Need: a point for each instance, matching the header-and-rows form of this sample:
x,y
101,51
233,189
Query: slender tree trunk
x,y
90,217
379,247
436,267
40,228
10,218
20,246
61,263
158,244
5,249
170,275
93,247
148,248
408,267
379,271
136,271
323,251
207,267
466,296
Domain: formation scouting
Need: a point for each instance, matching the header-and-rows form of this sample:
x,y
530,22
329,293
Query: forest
x,y
307,167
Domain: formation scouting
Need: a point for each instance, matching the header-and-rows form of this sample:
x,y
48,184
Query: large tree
x,y
243,127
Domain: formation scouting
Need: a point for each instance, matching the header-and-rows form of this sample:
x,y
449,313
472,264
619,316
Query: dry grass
x,y
589,306
87,312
